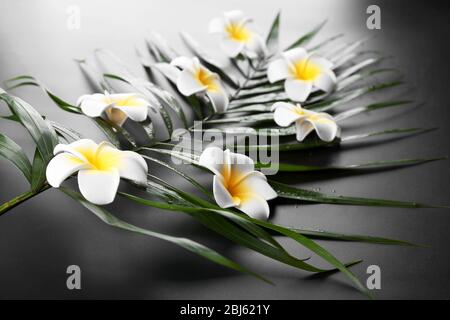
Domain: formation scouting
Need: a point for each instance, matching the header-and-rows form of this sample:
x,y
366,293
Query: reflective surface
x,y
39,239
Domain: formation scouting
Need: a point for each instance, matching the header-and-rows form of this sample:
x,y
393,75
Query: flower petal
x,y
255,46
129,164
254,206
278,70
169,71
221,194
83,148
93,105
240,165
133,166
325,126
285,114
257,183
217,25
303,128
295,54
219,99
61,167
325,81
98,187
183,63
235,17
212,158
231,47
116,116
135,113
187,84
297,90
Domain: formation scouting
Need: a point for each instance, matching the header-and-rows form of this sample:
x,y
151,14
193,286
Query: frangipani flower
x,y
305,121
115,107
237,37
196,79
302,72
236,183
99,167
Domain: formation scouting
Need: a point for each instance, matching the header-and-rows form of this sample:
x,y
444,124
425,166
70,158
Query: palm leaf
x,y
288,167
11,151
42,133
288,192
34,82
307,37
272,40
185,243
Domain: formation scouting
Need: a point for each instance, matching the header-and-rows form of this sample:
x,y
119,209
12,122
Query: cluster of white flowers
x,y
235,183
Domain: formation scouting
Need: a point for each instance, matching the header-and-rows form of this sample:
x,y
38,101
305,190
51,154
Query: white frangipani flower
x,y
303,73
114,107
236,183
194,78
237,37
305,121
99,167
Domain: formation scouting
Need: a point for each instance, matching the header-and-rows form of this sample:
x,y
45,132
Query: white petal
x,y
116,116
135,113
130,165
170,72
254,206
303,128
83,148
257,183
213,159
188,85
325,127
295,54
235,17
278,70
93,105
240,165
217,25
285,114
63,166
98,187
297,90
221,194
325,81
231,47
133,166
183,63
219,99
255,46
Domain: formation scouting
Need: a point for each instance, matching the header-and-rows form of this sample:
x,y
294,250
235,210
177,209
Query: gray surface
x,y
39,239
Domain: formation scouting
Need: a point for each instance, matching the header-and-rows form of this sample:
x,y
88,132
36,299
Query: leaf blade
x,y
185,243
12,152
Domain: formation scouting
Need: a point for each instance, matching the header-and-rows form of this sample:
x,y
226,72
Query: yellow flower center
x,y
299,111
312,117
207,79
305,70
129,101
235,184
238,32
101,158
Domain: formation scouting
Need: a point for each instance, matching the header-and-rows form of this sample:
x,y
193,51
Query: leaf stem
x,y
8,205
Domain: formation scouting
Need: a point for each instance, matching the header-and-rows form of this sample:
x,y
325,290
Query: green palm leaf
x,y
11,151
288,192
42,133
185,243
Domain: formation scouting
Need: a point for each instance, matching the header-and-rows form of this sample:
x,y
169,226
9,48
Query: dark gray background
x,y
39,239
